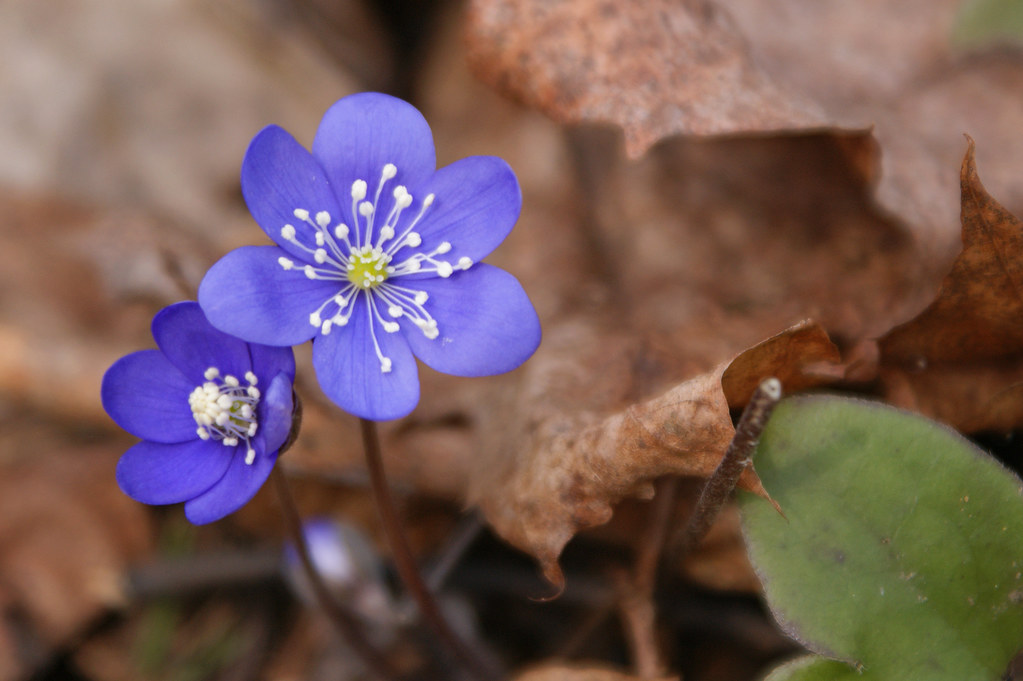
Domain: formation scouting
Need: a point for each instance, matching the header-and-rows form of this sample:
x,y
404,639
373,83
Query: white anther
x,y
365,209
421,297
359,190
323,218
391,327
250,456
326,326
341,231
385,365
444,269
223,417
444,247
395,311
390,170
309,271
464,263
320,239
301,214
231,441
201,432
251,378
211,373
231,381
246,411
285,263
252,392
413,239
320,255
428,200
287,232
253,427
314,319
386,232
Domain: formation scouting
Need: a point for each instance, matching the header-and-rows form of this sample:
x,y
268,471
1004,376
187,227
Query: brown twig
x,y
344,621
737,458
406,563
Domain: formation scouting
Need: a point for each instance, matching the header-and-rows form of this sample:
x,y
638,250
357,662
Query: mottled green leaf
x,y
902,551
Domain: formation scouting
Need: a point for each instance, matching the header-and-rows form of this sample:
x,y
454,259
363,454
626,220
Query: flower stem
x,y
344,621
406,564
737,458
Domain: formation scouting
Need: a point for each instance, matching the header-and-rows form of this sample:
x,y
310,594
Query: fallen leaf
x,y
67,536
801,357
966,347
655,68
565,468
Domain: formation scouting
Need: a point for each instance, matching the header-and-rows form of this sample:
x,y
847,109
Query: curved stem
x,y
344,621
406,563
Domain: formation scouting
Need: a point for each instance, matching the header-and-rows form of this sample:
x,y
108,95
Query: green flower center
x,y
367,267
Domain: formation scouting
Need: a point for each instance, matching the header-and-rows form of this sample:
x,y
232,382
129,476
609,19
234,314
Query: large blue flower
x,y
212,412
377,257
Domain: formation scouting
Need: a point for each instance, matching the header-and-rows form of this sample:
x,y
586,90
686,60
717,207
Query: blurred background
x,y
698,176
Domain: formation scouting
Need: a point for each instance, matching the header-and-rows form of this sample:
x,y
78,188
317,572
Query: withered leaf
x,y
801,357
964,348
565,469
655,68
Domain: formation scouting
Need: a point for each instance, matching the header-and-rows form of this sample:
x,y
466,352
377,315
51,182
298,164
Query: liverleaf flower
x,y
211,409
377,257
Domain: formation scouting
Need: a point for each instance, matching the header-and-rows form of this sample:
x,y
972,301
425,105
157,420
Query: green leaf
x,y
902,553
813,668
982,23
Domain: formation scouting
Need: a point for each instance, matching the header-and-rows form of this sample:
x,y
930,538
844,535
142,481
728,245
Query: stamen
x,y
363,264
359,190
225,411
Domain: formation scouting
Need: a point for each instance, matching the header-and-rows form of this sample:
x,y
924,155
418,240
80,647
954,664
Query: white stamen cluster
x,y
360,259
225,410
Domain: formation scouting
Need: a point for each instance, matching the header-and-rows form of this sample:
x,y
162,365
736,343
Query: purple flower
x,y
212,412
377,258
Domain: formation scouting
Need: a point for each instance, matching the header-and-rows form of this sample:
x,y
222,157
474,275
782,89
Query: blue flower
x,y
212,412
376,258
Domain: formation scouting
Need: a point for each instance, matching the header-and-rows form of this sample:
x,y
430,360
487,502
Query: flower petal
x,y
192,344
275,413
268,361
361,133
278,176
349,372
247,294
155,473
487,323
148,396
238,485
477,201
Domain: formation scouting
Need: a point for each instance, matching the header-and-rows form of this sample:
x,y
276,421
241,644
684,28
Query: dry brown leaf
x,y
886,65
655,68
580,672
67,535
565,468
965,348
801,357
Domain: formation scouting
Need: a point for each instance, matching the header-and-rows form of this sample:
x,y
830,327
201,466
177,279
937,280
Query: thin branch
x,y
406,563
737,458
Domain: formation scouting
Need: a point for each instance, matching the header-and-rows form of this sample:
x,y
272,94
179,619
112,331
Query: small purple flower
x,y
212,412
377,257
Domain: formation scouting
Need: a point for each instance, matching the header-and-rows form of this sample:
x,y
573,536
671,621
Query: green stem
x,y
405,562
344,621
